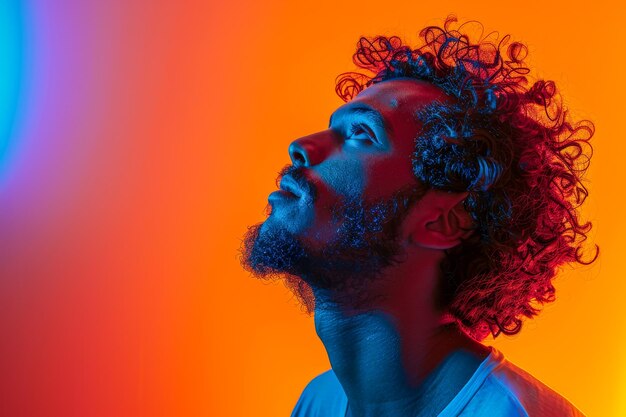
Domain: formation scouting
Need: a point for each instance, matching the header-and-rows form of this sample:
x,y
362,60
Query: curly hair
x,y
508,143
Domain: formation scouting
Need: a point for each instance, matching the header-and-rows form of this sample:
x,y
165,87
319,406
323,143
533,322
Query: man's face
x,y
335,220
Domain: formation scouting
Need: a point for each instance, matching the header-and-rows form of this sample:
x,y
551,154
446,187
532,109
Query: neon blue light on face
x,y
12,54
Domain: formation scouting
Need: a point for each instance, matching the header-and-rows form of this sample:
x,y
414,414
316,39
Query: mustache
x,y
299,176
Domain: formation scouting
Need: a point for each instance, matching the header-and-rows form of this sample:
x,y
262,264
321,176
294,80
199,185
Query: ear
x,y
438,220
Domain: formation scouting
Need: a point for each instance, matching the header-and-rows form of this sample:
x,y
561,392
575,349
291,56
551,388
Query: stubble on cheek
x,y
338,181
343,177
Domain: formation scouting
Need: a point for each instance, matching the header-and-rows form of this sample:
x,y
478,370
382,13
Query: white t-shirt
x,y
497,389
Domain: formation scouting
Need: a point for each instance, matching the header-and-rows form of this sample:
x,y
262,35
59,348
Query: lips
x,y
290,185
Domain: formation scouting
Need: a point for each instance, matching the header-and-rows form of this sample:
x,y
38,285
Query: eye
x,y
362,132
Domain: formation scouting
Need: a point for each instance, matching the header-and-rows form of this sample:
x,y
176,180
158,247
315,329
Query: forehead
x,y
400,95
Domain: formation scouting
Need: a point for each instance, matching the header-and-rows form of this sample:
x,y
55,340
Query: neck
x,y
394,358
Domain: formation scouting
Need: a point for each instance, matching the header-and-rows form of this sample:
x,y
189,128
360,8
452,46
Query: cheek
x,y
343,177
337,180
388,175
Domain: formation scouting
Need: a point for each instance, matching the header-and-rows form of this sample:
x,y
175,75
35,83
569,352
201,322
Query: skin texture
x,y
395,353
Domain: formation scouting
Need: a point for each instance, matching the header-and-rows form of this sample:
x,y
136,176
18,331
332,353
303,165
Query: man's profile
x,y
433,211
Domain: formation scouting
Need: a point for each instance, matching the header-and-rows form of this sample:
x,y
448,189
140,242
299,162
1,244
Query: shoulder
x,y
520,390
323,396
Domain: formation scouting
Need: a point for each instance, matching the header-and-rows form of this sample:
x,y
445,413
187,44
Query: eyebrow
x,y
363,110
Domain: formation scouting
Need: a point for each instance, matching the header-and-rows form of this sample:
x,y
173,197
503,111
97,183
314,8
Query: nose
x,y
313,149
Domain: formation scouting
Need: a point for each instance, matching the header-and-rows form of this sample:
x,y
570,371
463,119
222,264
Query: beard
x,y
366,242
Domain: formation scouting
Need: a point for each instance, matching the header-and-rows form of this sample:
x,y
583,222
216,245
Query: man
x,y
433,211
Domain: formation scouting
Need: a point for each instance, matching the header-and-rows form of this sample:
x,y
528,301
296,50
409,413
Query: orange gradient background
x,y
150,135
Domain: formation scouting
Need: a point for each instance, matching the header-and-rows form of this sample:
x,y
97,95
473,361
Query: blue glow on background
x,y
12,53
